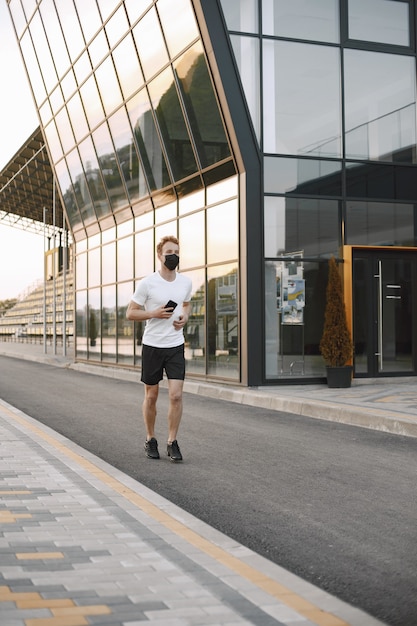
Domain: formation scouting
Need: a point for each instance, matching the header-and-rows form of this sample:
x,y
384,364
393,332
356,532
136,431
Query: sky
x,y
21,252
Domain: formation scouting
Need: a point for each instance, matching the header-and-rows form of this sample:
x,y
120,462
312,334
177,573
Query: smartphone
x,y
170,304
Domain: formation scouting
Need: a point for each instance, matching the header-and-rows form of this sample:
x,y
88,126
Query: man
x,y
163,300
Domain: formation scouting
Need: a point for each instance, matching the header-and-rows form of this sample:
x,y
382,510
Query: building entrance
x,y
384,312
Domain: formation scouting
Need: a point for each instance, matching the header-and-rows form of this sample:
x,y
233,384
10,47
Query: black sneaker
x,y
173,451
151,448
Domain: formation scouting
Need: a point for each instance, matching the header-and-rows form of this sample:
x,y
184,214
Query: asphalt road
x,y
334,504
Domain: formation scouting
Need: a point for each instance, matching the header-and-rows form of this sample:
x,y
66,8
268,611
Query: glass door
x,y
384,305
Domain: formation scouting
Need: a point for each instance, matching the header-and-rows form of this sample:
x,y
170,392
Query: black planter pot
x,y
339,377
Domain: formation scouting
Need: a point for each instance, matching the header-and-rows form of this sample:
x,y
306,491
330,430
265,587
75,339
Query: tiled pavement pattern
x,y
82,543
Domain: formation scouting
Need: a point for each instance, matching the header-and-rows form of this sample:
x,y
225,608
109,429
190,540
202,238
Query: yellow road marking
x,y
267,584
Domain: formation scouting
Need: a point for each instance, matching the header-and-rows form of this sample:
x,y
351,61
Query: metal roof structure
x,y
26,188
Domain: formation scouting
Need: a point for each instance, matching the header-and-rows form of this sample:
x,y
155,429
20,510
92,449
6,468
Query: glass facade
x,y
268,135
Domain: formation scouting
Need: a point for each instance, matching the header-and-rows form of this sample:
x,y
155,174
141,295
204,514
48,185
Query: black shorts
x,y
156,360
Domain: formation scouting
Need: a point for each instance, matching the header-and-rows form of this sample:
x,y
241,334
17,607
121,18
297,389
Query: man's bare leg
x,y
175,388
149,409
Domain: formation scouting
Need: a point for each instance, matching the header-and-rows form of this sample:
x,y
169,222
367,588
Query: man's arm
x,y
137,313
183,318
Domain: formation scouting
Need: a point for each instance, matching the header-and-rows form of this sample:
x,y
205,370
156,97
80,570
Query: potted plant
x,y
92,328
336,344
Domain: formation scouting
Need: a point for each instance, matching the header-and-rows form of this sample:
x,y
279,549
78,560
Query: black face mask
x,y
171,261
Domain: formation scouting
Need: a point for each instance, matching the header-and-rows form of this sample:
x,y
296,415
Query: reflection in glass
x,y
117,26
293,225
91,21
380,105
106,7
109,323
98,48
108,263
56,99
68,84
302,19
55,36
109,169
246,50
201,107
93,176
301,87
81,324
108,85
144,254
65,130
147,140
191,202
178,32
127,155
222,232
150,44
127,66
302,176
18,16
68,196
223,321
94,325
223,191
195,329
293,349
53,141
380,224
81,271
125,259
135,8
71,27
77,117
82,68
241,16
171,123
125,329
94,273
92,104
373,20
191,237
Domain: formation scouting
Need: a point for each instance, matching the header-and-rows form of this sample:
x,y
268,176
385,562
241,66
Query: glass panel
x,y
302,176
108,85
135,8
33,70
223,321
98,48
43,53
108,262
55,36
191,202
52,139
68,84
144,254
94,324
45,112
81,324
246,50
191,230
241,16
195,330
126,153
94,180
82,68
307,226
56,99
222,191
65,130
172,126
292,344
179,33
127,66
81,270
201,107
125,329
94,267
67,192
92,104
150,44
90,17
109,322
77,117
388,182
361,314
379,20
71,27
125,259
301,86
109,168
222,232
117,26
106,7
380,106
301,19
18,16
380,224
166,212
147,140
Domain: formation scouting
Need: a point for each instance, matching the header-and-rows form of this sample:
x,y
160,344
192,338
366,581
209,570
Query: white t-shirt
x,y
153,292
